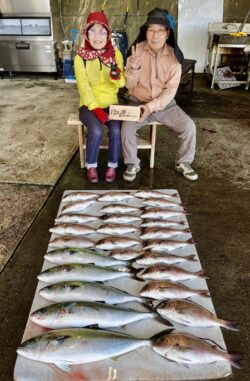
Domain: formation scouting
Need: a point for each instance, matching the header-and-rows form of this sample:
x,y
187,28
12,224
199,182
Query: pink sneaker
x,y
110,175
92,175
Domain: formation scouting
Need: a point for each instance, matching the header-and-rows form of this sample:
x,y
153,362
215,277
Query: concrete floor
x,y
218,204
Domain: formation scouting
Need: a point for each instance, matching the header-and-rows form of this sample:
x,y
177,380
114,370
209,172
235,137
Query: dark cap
x,y
158,16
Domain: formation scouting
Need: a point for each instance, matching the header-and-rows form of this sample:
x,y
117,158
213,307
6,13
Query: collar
x,y
164,51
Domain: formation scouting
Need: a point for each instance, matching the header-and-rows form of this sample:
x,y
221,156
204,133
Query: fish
x,y
116,196
162,233
86,291
117,229
162,224
75,207
84,256
120,219
66,347
75,218
164,214
162,203
119,209
126,254
111,243
192,314
187,349
79,196
78,272
64,242
167,245
152,258
170,290
85,314
153,193
172,273
72,229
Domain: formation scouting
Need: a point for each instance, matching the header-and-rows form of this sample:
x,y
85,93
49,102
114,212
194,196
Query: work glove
x,y
115,72
101,115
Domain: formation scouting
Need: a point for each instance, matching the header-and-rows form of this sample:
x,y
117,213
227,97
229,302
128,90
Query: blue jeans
x,y
94,138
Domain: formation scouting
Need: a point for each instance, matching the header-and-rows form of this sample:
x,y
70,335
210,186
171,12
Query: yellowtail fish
x,y
80,291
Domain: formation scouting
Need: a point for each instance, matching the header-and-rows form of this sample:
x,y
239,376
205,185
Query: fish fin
x,y
94,326
204,293
161,334
166,322
212,343
136,276
230,324
64,366
191,258
235,359
202,274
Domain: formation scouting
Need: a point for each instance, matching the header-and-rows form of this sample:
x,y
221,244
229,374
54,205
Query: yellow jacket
x,y
95,86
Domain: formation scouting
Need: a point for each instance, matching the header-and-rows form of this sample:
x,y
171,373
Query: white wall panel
x,y
193,19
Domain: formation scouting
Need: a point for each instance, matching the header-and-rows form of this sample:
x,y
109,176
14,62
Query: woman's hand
x,y
101,115
134,61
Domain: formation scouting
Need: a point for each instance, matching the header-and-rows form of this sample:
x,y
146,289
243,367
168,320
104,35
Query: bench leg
x,y
153,139
81,138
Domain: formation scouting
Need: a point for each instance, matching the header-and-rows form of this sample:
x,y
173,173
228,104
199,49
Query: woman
x,y
99,74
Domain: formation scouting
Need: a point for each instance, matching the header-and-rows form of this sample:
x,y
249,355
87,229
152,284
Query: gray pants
x,y
174,118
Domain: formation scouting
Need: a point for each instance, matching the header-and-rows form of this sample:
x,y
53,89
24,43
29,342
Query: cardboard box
x,y
121,112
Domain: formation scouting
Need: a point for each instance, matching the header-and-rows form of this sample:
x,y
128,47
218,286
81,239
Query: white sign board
x,y
121,112
193,19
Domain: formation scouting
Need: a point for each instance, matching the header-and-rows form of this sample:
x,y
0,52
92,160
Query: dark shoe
x,y
92,175
110,175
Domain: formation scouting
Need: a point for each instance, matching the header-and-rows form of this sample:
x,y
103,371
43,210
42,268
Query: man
x,y
153,75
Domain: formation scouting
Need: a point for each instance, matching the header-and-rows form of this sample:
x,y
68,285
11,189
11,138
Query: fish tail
x,y
230,324
204,293
190,240
202,274
187,230
235,359
135,275
191,258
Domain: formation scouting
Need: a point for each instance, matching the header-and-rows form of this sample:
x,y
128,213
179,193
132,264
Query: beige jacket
x,y
157,81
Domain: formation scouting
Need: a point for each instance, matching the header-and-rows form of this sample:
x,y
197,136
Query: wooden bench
x,y
149,143
187,66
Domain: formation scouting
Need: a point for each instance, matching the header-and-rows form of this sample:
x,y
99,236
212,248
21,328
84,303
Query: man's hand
x,y
134,61
145,112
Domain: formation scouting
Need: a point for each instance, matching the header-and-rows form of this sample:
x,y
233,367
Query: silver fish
x,y
192,315
84,256
117,229
162,224
116,196
65,347
72,229
111,243
188,349
75,218
119,209
153,258
156,194
120,219
164,214
168,245
162,233
79,196
86,291
162,203
78,272
75,207
126,254
172,273
169,290
84,314
64,242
